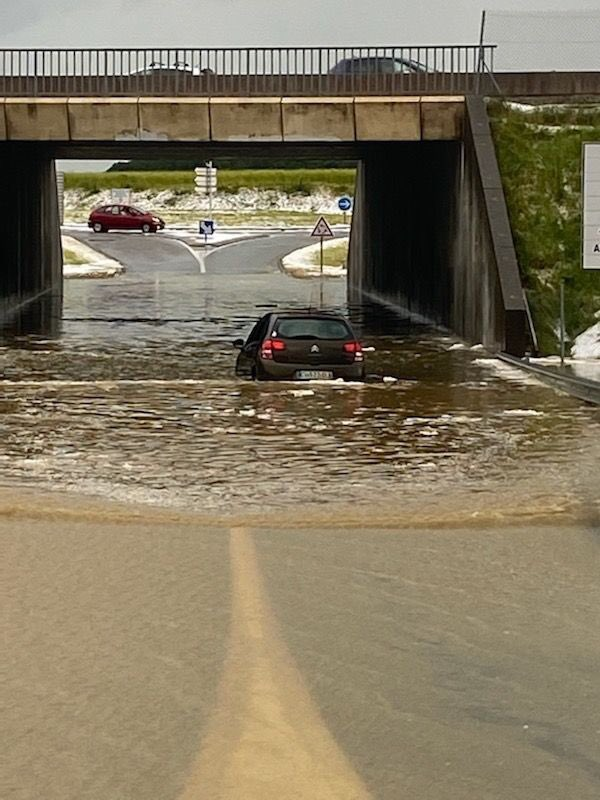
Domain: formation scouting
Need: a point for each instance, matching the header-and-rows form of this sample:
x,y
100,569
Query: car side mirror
x,y
238,343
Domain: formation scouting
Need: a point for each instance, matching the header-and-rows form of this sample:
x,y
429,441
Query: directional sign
x,y
345,203
322,229
591,205
206,180
207,227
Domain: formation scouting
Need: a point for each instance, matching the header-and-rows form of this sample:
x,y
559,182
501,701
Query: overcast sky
x,y
218,23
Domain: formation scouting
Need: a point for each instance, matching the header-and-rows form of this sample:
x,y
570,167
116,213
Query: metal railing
x,y
582,388
245,72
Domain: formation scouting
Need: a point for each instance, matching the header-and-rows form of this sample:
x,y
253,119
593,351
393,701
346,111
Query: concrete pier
x,y
30,248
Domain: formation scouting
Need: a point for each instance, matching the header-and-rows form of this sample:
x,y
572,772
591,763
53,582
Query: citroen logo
x,y
315,349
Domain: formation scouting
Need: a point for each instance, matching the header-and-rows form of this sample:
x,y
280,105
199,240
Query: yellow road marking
x,y
266,740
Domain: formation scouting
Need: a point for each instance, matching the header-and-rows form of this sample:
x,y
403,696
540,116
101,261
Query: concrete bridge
x,y
430,230
99,121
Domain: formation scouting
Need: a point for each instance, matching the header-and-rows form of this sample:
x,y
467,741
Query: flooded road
x,y
342,591
137,400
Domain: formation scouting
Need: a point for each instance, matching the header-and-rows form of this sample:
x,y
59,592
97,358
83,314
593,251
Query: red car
x,y
123,218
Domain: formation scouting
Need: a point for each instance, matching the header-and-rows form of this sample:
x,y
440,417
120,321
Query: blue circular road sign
x,y
344,204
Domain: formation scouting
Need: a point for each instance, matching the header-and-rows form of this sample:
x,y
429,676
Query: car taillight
x,y
266,351
355,348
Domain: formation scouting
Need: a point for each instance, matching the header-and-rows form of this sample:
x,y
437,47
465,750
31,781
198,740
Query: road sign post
x,y
321,256
209,168
206,183
322,231
207,227
344,205
562,322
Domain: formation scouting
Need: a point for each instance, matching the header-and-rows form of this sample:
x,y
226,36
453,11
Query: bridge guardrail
x,y
582,388
245,72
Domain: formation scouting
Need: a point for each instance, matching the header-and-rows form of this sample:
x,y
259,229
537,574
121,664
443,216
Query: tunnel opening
x,y
43,314
421,242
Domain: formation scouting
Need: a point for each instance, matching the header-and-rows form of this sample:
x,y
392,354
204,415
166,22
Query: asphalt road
x,y
164,658
145,254
141,253
255,255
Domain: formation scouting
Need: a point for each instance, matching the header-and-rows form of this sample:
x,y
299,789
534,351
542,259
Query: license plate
x,y
314,375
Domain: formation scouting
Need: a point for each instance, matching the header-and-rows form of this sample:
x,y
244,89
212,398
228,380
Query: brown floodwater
x,y
136,400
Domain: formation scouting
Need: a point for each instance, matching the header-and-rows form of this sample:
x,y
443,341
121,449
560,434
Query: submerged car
x,y
120,217
300,346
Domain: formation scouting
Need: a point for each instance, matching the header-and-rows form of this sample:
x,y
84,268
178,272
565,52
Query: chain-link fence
x,y
544,40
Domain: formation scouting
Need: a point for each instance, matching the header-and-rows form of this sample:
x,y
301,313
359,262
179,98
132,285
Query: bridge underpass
x,y
430,233
397,551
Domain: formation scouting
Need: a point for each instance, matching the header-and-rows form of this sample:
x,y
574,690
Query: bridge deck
x,y
283,119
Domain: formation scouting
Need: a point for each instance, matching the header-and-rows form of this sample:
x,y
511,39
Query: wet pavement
x,y
148,657
343,591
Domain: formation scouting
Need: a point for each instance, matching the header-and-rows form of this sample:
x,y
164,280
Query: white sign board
x,y
322,228
591,205
206,179
122,196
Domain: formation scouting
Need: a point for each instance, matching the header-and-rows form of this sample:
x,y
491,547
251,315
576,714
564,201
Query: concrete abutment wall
x,y
431,236
30,249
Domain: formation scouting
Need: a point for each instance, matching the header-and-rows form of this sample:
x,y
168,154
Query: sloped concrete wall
x,y
488,303
30,249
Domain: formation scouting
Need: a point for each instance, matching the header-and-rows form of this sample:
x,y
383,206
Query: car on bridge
x,y
177,69
296,345
120,217
377,64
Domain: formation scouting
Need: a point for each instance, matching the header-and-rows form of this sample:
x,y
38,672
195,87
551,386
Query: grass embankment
x,y
291,181
71,258
539,152
333,256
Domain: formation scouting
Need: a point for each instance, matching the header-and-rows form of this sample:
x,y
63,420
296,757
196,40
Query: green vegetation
x,y
302,181
71,257
232,163
539,152
332,256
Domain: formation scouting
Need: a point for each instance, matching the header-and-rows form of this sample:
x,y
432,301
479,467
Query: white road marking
x,y
199,258
267,739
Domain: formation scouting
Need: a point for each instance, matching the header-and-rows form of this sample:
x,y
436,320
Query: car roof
x,y
309,313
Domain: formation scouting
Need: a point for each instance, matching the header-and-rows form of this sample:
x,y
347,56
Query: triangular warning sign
x,y
322,228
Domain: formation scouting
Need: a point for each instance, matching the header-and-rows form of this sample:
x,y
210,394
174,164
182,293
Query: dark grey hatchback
x,y
300,346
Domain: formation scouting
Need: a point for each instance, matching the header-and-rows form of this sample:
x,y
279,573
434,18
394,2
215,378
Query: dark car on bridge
x,y
376,64
300,346
177,69
121,218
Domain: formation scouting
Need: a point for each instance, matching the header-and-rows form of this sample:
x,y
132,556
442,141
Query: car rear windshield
x,y
311,328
